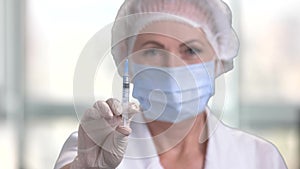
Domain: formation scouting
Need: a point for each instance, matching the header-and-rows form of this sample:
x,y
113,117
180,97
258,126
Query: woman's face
x,y
171,44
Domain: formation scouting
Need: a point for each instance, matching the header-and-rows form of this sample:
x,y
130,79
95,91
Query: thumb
x,y
133,109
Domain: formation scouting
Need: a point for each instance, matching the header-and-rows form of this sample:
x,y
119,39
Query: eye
x,y
153,52
193,51
150,52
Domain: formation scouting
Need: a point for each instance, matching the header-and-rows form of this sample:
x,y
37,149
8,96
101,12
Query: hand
x,y
102,140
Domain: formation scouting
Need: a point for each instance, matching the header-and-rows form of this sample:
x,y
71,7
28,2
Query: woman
x,y
176,50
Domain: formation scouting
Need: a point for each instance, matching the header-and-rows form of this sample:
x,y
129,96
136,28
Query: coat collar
x,y
141,146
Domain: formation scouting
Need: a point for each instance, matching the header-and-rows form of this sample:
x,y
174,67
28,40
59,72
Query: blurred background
x,y
41,40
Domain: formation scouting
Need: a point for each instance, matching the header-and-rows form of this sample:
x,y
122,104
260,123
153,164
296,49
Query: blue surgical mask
x,y
173,94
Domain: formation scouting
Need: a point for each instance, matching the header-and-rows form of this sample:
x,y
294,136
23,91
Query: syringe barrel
x,y
125,95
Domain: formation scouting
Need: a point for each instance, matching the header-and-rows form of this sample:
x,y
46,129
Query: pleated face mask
x,y
173,94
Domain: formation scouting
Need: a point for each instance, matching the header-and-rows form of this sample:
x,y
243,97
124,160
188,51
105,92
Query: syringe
x,y
125,96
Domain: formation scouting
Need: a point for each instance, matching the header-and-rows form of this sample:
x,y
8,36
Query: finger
x,y
124,130
90,114
115,106
97,129
104,109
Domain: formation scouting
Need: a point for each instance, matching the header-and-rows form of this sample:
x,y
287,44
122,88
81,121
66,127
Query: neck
x,y
181,138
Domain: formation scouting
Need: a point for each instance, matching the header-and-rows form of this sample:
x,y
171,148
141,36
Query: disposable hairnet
x,y
212,16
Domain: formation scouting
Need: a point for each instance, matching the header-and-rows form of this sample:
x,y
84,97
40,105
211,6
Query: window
x,y
269,73
262,88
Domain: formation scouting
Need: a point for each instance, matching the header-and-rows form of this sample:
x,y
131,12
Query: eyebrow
x,y
190,41
153,43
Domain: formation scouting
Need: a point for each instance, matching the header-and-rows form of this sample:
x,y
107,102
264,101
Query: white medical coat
x,y
227,148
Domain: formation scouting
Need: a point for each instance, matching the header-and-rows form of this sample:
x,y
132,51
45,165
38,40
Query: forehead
x,y
175,30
